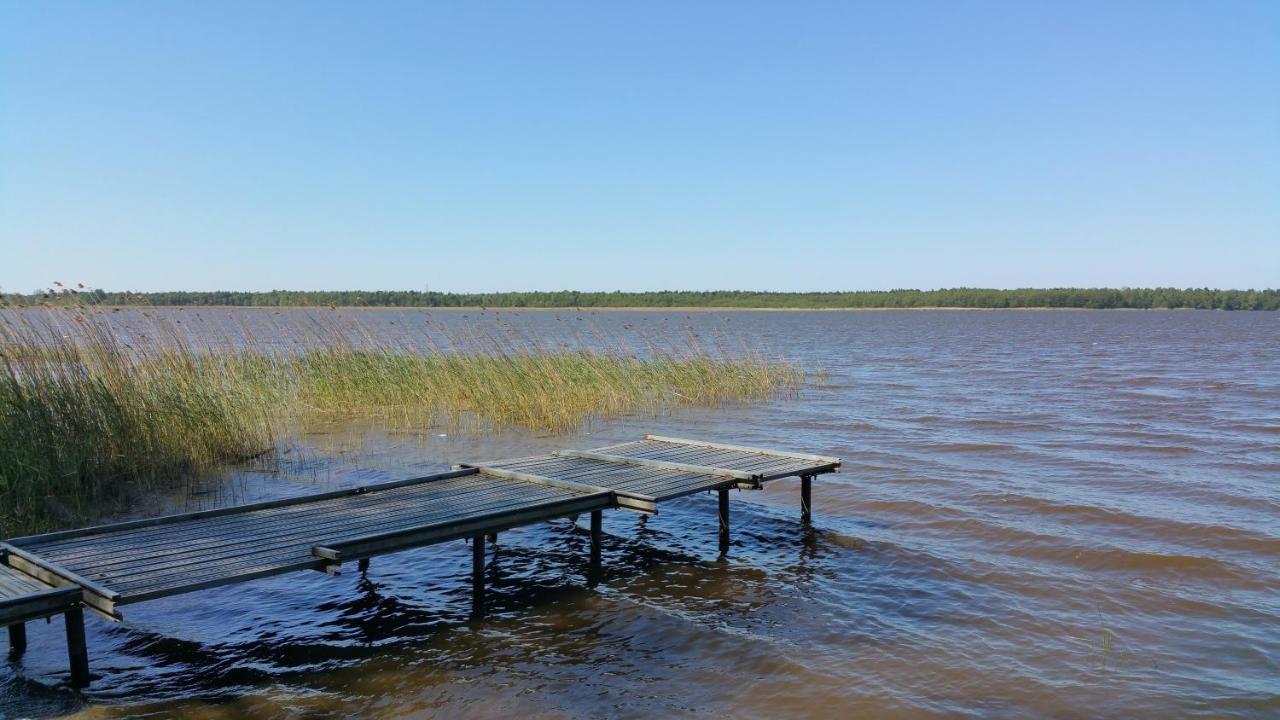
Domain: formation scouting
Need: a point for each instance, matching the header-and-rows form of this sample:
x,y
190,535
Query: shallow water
x,y
1041,514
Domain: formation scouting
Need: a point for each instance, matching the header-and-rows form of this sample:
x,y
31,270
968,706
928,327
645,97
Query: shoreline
x,y
636,308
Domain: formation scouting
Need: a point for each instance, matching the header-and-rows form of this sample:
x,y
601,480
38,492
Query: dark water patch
x,y
1148,396
1006,425
1115,559
1142,520
1144,448
21,697
911,508
1139,381
1146,435
961,447
1107,448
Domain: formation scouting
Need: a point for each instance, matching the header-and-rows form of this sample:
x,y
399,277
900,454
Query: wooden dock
x,y
106,567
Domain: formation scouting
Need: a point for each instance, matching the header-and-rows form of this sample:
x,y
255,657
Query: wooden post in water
x,y
477,576
806,499
17,639
493,538
597,522
363,565
77,650
724,521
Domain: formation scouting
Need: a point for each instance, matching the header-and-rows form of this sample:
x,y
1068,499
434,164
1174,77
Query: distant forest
x,y
1095,298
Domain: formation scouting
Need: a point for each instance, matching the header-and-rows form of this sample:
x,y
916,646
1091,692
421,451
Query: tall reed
x,y
90,411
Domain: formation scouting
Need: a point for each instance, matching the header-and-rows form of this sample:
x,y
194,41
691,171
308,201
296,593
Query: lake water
x,y
1041,514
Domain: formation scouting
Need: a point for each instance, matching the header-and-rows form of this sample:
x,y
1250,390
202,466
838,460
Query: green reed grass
x,y
86,417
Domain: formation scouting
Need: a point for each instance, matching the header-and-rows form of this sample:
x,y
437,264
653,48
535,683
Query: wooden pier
x,y
106,567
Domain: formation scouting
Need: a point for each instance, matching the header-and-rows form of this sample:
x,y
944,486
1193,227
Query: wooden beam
x,y
518,476
309,564
346,549
97,596
234,509
813,470
742,448
806,499
477,576
660,465
77,649
724,521
628,500
17,639
597,531
39,604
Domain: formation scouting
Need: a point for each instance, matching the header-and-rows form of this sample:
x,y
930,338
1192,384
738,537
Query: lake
x,y
1041,514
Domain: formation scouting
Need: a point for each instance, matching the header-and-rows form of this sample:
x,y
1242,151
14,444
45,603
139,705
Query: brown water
x,y
1042,514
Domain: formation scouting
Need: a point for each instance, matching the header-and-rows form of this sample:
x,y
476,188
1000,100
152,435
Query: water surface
x,y
1041,514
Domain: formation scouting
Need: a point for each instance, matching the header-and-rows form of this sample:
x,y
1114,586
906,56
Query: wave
x,y
1003,424
1127,448
1249,427
1210,536
1125,560
971,447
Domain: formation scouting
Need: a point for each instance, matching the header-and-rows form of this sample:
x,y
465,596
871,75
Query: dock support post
x,y
477,576
806,499
363,565
77,650
724,521
597,522
493,538
17,639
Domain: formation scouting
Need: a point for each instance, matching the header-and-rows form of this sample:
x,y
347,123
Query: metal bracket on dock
x,y
332,557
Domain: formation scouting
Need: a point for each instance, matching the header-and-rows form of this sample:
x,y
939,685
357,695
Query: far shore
x,y
654,308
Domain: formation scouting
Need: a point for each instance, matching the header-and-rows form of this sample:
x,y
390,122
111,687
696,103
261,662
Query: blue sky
x,y
783,146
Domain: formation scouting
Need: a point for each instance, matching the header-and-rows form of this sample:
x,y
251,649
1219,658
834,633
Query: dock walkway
x,y
106,567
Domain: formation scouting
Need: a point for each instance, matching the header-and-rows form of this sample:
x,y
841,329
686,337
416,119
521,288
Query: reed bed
x,y
91,411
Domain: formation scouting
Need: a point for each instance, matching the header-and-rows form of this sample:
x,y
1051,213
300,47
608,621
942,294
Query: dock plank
x,y
166,559
267,528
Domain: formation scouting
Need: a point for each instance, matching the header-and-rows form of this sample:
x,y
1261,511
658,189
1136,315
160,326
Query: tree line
x,y
1093,298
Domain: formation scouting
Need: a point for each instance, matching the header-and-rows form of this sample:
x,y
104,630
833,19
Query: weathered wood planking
x,y
365,546
766,464
667,468
139,560
621,497
110,565
149,561
659,464
24,598
819,459
659,483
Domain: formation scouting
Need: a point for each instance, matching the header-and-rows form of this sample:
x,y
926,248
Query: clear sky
x,y
596,146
